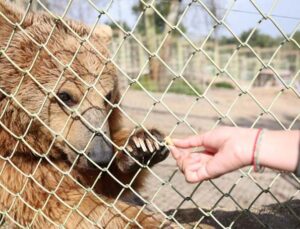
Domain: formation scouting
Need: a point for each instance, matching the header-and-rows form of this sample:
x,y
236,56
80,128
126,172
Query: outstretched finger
x,y
192,141
211,140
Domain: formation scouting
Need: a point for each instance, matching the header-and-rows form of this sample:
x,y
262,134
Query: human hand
x,y
225,149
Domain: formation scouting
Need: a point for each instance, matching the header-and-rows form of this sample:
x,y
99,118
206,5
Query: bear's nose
x,y
100,151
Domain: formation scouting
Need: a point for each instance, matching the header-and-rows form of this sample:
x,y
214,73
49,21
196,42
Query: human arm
x,y
230,148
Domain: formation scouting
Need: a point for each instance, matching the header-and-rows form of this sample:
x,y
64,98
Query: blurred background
x,y
196,26
208,50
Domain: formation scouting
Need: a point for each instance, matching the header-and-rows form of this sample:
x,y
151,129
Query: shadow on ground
x,y
277,216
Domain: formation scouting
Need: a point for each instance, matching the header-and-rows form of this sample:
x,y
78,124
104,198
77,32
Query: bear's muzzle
x,y
99,151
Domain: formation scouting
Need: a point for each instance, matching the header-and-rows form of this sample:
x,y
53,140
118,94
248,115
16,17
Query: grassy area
x,y
147,83
178,86
223,84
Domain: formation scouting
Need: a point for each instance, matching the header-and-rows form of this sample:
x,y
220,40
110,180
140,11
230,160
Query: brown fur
x,y
33,188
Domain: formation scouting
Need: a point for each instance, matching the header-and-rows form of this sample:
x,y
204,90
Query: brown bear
x,y
65,158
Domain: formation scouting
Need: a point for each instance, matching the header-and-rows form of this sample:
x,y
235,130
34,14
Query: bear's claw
x,y
145,144
144,149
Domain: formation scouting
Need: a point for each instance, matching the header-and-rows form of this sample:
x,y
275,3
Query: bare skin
x,y
228,148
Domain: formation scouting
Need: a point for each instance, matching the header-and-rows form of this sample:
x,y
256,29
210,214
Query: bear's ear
x,y
103,33
9,15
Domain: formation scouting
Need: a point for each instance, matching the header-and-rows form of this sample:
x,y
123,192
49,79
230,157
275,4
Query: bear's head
x,y
57,87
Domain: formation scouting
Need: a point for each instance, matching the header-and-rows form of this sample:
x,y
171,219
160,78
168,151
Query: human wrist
x,y
279,150
246,143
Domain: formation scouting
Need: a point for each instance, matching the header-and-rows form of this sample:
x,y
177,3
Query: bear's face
x,y
66,86
82,105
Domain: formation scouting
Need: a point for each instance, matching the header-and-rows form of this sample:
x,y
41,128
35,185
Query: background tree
x,y
214,7
258,39
151,25
164,7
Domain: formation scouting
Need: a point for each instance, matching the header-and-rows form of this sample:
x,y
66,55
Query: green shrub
x,y
147,83
224,84
178,86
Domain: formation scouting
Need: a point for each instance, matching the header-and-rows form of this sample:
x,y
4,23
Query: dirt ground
x,y
241,199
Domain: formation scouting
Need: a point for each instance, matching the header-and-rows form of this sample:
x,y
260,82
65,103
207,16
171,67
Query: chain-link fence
x,y
75,149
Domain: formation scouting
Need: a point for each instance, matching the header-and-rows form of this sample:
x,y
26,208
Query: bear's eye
x,y
66,98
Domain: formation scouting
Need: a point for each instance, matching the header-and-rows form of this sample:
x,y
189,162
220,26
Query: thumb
x,y
209,168
196,173
218,165
179,153
175,152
